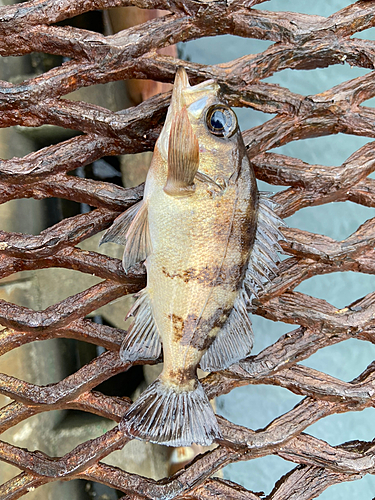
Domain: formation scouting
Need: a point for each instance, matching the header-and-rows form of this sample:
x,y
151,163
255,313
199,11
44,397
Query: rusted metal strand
x,y
289,171
297,308
67,232
240,91
326,185
84,379
47,250
37,12
66,311
289,307
318,247
85,330
305,483
218,18
298,379
352,463
69,258
111,197
284,353
278,371
81,150
92,401
94,193
262,96
305,448
303,380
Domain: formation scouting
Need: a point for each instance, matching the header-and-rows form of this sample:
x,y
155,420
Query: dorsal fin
x,y
264,255
183,156
234,341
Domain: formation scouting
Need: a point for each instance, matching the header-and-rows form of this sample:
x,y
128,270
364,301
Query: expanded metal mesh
x,y
301,42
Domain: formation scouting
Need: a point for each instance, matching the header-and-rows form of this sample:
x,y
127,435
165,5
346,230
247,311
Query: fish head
x,y
211,122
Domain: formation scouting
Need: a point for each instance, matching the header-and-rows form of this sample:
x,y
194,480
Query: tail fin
x,y
163,415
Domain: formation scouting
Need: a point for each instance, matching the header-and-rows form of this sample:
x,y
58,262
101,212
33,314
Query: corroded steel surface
x,y
301,42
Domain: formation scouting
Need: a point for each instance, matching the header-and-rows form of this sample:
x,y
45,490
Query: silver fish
x,y
210,241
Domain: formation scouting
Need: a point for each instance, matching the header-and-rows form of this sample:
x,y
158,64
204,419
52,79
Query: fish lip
x,y
183,95
182,89
207,85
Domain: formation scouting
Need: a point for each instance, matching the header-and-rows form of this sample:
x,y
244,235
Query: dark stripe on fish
x,y
180,376
212,275
194,331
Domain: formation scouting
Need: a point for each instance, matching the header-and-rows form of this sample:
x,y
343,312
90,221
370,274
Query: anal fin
x,y
142,341
183,156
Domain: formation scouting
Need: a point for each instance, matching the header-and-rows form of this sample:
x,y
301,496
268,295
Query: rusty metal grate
x,y
301,42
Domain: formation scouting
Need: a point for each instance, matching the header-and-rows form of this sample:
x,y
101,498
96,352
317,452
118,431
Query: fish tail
x,y
167,415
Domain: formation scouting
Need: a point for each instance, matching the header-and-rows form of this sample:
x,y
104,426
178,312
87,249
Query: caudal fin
x,y
163,415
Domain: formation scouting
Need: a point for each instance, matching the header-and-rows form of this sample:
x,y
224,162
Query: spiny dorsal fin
x,y
142,341
235,340
183,156
138,242
117,232
264,255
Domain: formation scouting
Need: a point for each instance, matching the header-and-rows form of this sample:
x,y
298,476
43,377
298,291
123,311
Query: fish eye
x,y
221,120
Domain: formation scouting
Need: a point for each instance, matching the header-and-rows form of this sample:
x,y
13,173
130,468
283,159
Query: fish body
x,y
200,248
196,228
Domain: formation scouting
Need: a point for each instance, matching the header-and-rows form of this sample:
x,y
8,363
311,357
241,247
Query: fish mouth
x,y
183,95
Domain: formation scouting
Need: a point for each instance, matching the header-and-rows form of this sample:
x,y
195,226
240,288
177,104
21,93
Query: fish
x,y
210,242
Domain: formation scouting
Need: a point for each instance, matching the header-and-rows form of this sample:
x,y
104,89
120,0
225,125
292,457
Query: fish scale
x,y
210,243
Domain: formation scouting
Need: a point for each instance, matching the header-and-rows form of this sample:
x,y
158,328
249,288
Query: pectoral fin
x,y
200,176
183,156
